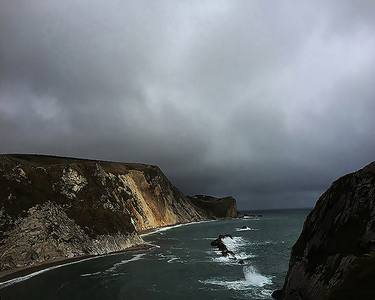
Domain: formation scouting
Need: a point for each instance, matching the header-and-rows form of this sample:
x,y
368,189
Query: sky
x,y
268,101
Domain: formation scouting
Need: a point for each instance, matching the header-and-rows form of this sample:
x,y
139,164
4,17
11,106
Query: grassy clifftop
x,y
57,207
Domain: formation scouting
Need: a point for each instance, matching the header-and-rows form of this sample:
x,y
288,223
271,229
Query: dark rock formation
x,y
219,244
216,207
53,207
334,257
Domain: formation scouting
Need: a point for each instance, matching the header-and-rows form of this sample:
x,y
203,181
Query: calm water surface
x,y
183,266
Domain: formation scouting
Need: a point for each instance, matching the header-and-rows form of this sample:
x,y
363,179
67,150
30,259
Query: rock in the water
x,y
334,257
222,247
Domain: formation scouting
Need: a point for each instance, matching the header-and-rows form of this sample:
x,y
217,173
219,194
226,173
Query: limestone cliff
x,y
54,207
216,207
334,257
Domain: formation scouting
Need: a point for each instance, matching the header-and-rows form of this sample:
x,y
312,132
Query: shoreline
x,y
14,276
23,273
148,232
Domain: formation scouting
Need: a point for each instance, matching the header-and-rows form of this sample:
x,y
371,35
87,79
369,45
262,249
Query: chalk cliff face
x,y
53,207
334,257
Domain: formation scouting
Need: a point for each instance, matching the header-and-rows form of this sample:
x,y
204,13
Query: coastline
x,y
14,276
23,273
167,227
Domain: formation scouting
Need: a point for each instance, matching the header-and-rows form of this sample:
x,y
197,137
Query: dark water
x,y
184,267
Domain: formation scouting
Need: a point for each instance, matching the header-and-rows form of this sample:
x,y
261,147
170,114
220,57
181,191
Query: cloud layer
x,y
267,101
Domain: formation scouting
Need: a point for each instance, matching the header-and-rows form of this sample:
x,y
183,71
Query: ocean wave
x,y
251,218
235,243
126,261
263,243
169,258
228,260
246,229
205,238
90,274
165,228
172,259
244,256
28,276
252,279
153,245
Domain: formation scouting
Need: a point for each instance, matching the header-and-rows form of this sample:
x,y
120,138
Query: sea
x,y
182,264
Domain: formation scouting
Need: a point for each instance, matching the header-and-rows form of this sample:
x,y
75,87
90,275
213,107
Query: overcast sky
x,y
268,101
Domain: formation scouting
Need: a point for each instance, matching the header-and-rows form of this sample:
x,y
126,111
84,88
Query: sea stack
x,y
334,257
53,208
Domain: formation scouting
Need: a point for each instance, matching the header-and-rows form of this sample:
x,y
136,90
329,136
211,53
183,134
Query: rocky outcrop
x,y
216,207
53,207
334,257
220,245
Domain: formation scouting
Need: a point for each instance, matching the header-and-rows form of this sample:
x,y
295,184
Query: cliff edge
x,y
215,207
334,257
54,208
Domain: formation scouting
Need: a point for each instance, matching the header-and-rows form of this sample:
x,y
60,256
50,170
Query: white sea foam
x,y
263,243
153,245
252,279
28,276
205,238
244,256
265,294
126,261
231,260
173,226
246,229
172,259
238,285
169,258
228,260
90,274
235,243
251,218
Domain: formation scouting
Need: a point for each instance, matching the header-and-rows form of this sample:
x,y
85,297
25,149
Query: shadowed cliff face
x,y
223,208
334,257
52,207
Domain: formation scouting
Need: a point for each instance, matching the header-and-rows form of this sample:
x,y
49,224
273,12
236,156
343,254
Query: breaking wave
x,y
235,243
246,229
252,279
134,258
90,274
165,228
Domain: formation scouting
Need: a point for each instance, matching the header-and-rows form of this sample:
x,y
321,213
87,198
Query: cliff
x,y
53,207
216,207
334,257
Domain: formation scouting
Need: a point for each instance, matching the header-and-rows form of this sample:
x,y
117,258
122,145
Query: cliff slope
x,y
216,207
54,207
334,257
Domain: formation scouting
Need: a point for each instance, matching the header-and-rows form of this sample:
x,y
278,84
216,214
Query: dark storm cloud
x,y
268,101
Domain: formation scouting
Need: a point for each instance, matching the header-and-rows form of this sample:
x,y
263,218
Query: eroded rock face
x,y
52,207
216,207
334,257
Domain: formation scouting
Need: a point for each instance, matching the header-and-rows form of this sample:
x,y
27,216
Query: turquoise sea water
x,y
182,266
